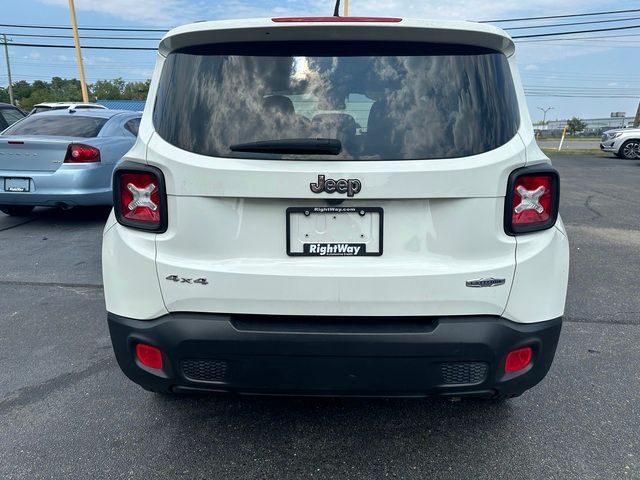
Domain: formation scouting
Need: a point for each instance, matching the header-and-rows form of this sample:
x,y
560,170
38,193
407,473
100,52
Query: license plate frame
x,y
363,252
17,184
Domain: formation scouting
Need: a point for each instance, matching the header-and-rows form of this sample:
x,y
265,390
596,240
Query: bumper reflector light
x,y
149,356
518,360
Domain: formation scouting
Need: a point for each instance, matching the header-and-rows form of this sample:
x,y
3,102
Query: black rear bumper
x,y
335,355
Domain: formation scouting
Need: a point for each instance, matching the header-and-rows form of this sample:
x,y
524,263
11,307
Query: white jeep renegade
x,y
336,206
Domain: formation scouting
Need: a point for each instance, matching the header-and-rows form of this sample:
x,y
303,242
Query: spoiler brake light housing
x,y
336,20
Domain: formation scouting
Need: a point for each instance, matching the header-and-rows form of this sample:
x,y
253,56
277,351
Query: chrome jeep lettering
x,y
350,186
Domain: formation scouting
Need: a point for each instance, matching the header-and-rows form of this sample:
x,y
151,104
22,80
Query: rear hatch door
x,y
428,131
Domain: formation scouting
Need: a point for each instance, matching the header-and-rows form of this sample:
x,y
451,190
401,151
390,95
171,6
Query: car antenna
x,y
336,11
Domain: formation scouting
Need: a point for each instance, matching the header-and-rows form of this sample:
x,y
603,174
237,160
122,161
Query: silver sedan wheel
x,y
631,149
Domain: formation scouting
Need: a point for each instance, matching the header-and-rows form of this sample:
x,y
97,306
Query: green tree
x,y
576,125
21,89
68,90
65,90
108,89
136,90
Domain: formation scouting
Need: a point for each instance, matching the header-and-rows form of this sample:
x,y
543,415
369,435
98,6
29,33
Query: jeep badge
x,y
351,186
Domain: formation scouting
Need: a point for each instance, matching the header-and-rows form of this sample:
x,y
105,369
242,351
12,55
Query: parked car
x,y
253,252
63,158
47,106
9,115
622,142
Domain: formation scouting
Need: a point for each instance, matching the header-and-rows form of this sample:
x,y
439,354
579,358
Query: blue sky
x,y
590,66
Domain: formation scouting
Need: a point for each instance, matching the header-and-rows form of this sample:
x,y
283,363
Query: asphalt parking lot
x,y
66,410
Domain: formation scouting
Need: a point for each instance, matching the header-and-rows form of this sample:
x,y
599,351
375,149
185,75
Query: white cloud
x,y
174,12
462,9
530,52
165,12
531,67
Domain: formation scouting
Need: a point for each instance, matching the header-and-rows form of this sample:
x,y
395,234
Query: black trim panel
x,y
366,357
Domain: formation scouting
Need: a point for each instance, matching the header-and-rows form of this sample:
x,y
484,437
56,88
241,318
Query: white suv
x,y
336,206
47,106
623,142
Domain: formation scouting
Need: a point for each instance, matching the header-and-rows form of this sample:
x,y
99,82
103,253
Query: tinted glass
x,y
11,115
133,126
58,126
381,100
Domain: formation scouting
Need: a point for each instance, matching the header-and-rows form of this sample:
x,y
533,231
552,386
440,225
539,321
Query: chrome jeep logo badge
x,y
485,282
351,186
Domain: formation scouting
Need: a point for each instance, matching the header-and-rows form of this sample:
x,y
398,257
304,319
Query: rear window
x,y
11,115
58,126
382,100
133,126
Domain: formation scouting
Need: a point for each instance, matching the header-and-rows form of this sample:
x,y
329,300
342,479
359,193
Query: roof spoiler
x,y
337,29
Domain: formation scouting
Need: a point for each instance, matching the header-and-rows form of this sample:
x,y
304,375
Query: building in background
x,y
595,126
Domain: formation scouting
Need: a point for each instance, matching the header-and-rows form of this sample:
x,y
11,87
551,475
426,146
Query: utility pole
x,y
6,54
545,110
76,39
346,8
636,122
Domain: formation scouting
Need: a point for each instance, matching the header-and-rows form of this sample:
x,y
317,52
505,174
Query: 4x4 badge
x,y
191,281
485,282
349,186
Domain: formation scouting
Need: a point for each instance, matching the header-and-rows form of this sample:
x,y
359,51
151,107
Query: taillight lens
x,y
79,153
139,198
518,360
532,200
149,356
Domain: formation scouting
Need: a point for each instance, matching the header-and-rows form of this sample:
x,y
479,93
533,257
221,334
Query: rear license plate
x,y
16,185
334,231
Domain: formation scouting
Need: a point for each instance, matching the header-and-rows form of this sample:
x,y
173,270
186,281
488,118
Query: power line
x,y
635,89
598,37
104,47
553,25
572,76
540,76
69,64
600,47
577,31
572,91
530,94
612,12
156,39
89,47
101,29
166,29
584,89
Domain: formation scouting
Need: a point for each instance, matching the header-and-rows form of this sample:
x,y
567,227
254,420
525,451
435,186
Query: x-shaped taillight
x,y
142,197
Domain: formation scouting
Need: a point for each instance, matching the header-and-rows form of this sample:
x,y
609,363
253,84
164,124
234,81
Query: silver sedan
x,y
63,158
